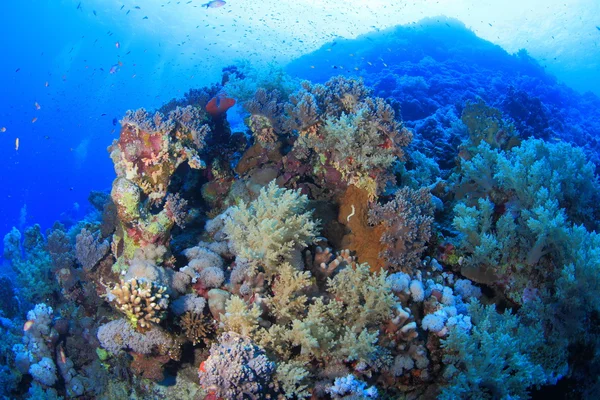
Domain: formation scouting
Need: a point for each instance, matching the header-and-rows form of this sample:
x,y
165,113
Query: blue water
x,y
70,70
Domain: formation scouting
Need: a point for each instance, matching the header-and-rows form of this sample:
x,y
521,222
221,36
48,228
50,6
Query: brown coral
x,y
195,327
142,302
407,221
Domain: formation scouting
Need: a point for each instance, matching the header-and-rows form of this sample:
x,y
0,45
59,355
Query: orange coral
x,y
362,238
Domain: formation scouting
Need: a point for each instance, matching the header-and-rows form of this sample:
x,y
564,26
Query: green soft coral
x,y
493,361
513,227
270,229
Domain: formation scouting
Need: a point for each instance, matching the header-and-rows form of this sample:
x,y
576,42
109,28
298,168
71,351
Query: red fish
x,y
219,104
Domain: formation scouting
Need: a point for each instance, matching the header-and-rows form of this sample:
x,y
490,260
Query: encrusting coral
x,y
146,155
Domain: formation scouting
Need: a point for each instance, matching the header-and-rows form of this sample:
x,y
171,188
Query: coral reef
x,y
319,252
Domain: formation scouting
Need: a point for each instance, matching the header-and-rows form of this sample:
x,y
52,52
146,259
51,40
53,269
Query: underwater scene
x,y
343,199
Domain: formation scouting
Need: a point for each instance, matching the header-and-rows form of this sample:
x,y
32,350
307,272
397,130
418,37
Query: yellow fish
x,y
29,323
17,144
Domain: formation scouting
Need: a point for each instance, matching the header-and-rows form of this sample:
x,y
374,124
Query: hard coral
x,y
142,302
236,369
195,327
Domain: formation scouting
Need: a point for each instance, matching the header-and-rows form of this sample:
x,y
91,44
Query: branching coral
x,y
408,219
272,228
195,327
142,302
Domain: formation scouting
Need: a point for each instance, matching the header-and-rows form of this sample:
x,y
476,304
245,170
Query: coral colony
x,y
315,255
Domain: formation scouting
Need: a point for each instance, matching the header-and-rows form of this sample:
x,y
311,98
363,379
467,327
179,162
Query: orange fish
x,y
63,357
33,120
219,104
37,106
3,129
27,325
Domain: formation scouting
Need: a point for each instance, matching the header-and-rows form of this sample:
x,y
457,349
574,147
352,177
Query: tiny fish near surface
x,y
214,4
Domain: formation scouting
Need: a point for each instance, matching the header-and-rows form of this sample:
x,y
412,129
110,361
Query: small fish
x,y
78,6
120,64
36,105
103,115
18,69
17,148
312,66
94,11
137,7
598,27
33,120
29,323
114,69
214,4
128,11
118,45
114,121
3,129
63,357
46,84
122,7
145,18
